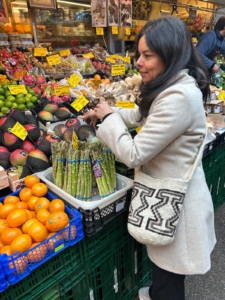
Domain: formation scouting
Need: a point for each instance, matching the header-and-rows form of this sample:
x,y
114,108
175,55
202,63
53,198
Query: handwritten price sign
x,y
74,80
125,104
99,31
40,51
60,90
16,89
117,70
80,103
88,55
19,131
65,52
115,30
53,60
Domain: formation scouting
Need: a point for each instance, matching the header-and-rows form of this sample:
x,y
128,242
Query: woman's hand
x,y
90,114
98,112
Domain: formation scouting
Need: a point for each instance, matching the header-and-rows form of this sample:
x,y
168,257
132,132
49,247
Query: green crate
x,y
143,266
47,275
51,294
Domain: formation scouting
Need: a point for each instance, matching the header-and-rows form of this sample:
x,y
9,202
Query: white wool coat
x,y
166,146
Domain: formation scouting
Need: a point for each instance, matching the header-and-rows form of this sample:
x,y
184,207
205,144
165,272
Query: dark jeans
x,y
166,285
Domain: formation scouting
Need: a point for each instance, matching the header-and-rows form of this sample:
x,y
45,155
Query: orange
x,y
20,264
6,250
22,205
38,253
30,214
25,194
30,180
53,241
56,205
27,225
11,199
38,232
97,77
6,209
42,202
9,234
22,243
42,215
16,218
3,225
1,244
1,204
70,233
31,202
39,189
57,221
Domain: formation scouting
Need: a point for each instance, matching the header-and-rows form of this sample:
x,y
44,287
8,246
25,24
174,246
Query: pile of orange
x,y
30,218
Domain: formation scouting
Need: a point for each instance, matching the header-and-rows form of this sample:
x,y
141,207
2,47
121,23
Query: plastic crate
x,y
143,266
3,282
18,266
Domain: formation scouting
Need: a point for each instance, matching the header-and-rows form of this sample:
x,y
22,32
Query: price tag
x,y
127,31
110,59
65,52
126,59
125,104
59,247
115,30
60,90
16,89
117,70
221,95
40,51
99,31
19,131
79,103
75,140
74,79
88,55
53,60
138,129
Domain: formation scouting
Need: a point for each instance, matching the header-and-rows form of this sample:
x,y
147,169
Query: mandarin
x,y
22,243
31,180
56,205
16,218
9,234
38,232
11,199
57,221
25,194
6,209
39,189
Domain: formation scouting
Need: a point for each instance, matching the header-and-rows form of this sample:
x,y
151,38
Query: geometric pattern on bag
x,y
167,199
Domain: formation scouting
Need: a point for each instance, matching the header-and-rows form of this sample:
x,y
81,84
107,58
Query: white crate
x,y
123,185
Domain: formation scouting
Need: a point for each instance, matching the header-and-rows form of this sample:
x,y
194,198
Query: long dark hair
x,y
170,38
220,23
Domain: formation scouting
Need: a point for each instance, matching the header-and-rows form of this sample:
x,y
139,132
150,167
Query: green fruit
x,y
32,92
7,94
8,104
34,99
1,103
5,110
19,95
38,96
11,98
15,105
13,82
2,91
21,107
29,105
1,114
21,100
2,97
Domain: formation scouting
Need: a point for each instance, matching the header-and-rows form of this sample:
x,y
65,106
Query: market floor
x,y
211,286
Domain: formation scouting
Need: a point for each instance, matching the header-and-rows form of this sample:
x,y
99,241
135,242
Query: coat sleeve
x,y
205,45
170,117
130,117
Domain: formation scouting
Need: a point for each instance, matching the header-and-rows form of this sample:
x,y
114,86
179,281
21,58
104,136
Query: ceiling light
x,y
73,3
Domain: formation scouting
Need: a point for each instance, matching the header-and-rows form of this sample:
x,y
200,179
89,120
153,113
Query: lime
x,y
21,100
32,92
5,86
7,94
1,103
2,91
8,104
38,96
13,82
2,97
11,98
19,95
34,99
1,114
21,107
29,105
15,105
5,110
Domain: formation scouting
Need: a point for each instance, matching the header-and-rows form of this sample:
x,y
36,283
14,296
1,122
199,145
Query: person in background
x,y
171,112
212,44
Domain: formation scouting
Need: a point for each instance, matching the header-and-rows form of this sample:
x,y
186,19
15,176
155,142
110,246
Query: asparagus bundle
x,y
58,157
109,159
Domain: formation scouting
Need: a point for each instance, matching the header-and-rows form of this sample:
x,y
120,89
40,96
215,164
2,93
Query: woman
x,y
174,86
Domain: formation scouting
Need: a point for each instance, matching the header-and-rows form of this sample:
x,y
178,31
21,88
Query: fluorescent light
x,y
73,3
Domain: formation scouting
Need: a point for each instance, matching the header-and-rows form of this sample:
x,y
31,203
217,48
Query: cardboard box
x,y
15,185
218,117
2,172
4,182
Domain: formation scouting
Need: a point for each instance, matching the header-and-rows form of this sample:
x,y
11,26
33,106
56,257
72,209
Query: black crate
x,y
222,138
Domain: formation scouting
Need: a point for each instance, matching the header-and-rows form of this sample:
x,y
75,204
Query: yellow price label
x,y
110,59
19,131
16,89
138,129
125,104
127,31
65,52
53,60
117,70
59,247
79,103
115,30
74,79
88,55
75,140
40,51
221,96
126,59
61,90
99,31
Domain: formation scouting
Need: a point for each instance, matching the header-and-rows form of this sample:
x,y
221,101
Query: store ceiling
x,y
188,2
219,2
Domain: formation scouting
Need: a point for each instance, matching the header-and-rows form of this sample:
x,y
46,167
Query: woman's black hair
x,y
170,38
220,24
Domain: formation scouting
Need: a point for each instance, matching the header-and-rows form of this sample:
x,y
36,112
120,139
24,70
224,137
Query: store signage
x,y
40,51
221,96
65,52
88,55
53,60
19,131
138,129
117,70
79,103
115,30
74,80
61,90
99,31
75,140
110,59
127,31
126,59
16,89
125,104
